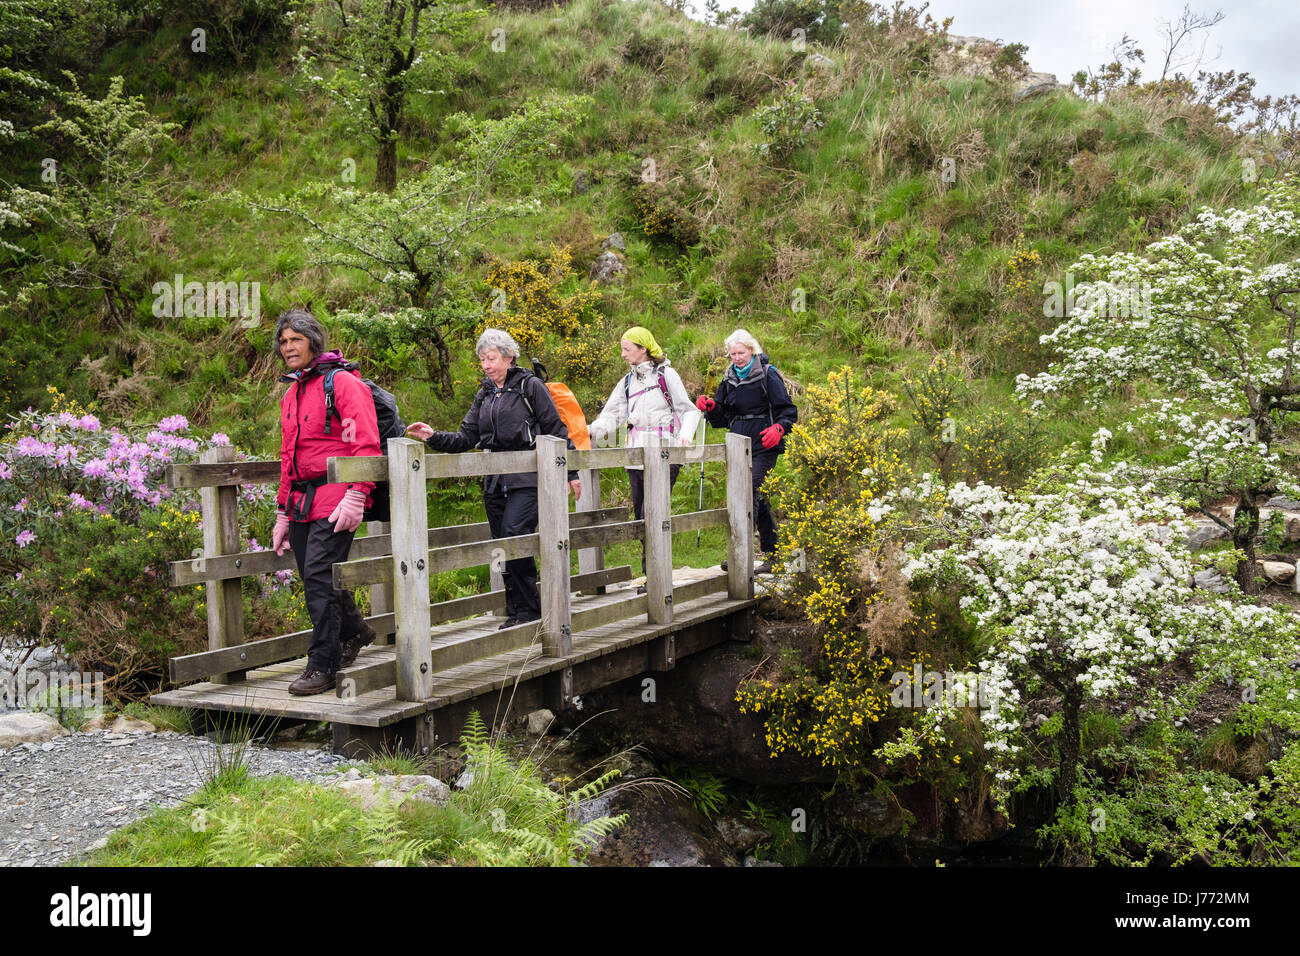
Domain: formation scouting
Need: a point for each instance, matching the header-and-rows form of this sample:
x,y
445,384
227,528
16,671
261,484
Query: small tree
x,y
377,53
408,240
1079,588
99,191
1208,314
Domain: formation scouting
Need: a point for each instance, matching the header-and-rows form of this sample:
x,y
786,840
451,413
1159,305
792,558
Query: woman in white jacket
x,y
650,399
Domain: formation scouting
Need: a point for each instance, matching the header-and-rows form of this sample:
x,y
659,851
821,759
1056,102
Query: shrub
x,y
89,530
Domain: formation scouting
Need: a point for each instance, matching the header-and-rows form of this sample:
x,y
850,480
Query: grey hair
x,y
741,337
304,323
499,340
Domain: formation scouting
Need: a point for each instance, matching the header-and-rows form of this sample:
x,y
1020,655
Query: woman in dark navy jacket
x,y
510,409
752,400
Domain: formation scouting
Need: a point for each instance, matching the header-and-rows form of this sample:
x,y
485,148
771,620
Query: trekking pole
x,y
704,425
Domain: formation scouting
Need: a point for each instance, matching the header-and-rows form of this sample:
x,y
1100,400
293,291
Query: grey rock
x,y
1204,533
740,836
614,241
607,267
752,861
539,721
18,728
581,184
819,62
1036,84
371,792
1286,504
129,725
1210,580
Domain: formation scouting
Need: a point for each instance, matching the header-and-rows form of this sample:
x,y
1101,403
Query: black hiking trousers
x,y
511,513
334,614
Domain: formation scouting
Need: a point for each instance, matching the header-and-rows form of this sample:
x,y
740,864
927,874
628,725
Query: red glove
x,y
280,536
771,436
347,516
705,404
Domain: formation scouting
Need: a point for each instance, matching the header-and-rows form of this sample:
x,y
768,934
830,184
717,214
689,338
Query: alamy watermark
x,y
1121,301
940,689
25,689
213,299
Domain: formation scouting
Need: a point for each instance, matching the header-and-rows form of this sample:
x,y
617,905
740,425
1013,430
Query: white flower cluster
x,y
1085,586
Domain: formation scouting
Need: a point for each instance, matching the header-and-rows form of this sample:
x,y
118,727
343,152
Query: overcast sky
x,y
1257,36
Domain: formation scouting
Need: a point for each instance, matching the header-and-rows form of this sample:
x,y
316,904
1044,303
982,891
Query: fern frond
x,y
587,791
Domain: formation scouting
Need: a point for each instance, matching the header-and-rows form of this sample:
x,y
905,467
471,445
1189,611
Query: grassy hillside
x,y
924,214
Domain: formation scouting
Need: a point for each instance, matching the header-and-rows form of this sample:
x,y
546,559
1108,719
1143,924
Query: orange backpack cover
x,y
571,412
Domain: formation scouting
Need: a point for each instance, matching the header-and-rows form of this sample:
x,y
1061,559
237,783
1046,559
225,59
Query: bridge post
x,y
553,544
740,517
381,595
590,559
220,512
410,531
658,534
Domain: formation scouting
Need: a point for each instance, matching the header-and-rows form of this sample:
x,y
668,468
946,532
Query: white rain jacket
x,y
637,403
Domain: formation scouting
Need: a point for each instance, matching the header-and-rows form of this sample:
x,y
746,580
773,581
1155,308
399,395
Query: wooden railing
x,y
396,560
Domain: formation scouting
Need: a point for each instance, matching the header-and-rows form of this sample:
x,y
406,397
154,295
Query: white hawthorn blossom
x,y
1087,585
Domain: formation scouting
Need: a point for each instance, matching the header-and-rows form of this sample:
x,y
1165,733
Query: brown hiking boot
x,y
350,648
311,682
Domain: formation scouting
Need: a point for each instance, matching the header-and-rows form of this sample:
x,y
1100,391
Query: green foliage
x,y
378,54
787,123
819,19
707,790
100,192
530,822
408,240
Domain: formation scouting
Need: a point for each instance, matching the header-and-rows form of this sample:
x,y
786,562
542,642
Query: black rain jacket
x,y
742,408
499,420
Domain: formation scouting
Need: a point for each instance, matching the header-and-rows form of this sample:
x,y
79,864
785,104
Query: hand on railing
x,y
576,487
419,430
705,404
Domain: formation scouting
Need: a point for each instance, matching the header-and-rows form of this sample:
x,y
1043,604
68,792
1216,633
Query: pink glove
x,y
705,404
347,516
280,536
771,435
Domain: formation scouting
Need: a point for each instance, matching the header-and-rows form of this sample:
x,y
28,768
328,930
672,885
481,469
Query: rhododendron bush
x,y
88,531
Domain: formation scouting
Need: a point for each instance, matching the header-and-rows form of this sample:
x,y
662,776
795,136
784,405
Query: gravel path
x,y
62,798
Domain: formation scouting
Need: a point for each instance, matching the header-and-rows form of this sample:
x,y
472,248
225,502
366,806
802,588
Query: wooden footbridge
x,y
434,663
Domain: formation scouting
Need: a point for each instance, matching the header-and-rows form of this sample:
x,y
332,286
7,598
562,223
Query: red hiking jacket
x,y
304,446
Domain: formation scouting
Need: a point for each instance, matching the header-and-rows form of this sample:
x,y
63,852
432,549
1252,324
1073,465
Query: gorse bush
x,y
524,299
843,457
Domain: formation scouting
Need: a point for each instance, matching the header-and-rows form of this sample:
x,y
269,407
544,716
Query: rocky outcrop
x,y
24,728
607,267
663,829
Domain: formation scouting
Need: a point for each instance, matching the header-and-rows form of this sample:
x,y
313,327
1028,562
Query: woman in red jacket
x,y
317,520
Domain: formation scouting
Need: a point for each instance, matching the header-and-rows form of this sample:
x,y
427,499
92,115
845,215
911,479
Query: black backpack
x,y
390,426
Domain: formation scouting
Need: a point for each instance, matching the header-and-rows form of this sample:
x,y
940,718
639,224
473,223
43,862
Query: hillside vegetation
x,y
988,488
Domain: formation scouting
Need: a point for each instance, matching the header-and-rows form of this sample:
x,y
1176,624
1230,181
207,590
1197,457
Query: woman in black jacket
x,y
752,400
510,410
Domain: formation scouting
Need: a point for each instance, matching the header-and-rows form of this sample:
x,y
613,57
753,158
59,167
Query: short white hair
x,y
500,340
741,337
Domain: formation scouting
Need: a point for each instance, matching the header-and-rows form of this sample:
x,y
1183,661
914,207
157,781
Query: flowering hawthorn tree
x,y
1081,592
1207,314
